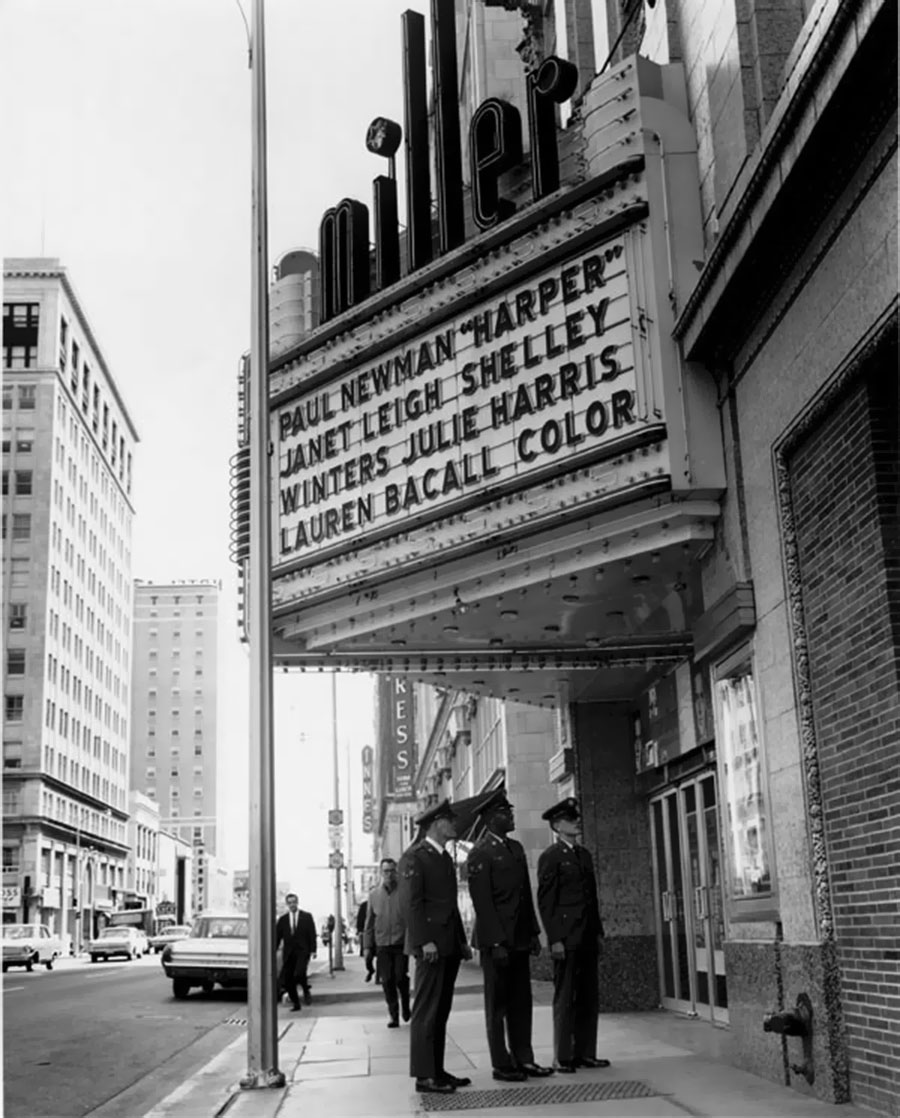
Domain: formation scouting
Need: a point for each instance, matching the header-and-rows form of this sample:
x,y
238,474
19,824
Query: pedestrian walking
x,y
567,900
436,938
384,938
295,933
506,934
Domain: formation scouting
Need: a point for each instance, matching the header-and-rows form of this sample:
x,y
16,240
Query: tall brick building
x,y
621,442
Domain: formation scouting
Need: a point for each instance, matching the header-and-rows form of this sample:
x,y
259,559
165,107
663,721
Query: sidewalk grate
x,y
538,1096
235,1021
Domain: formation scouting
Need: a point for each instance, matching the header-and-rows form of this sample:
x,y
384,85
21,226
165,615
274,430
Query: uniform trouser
x,y
576,998
507,1008
432,1000
393,974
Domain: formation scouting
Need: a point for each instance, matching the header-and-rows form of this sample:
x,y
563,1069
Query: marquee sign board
x,y
541,374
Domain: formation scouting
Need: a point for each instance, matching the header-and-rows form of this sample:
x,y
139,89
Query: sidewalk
x,y
340,1060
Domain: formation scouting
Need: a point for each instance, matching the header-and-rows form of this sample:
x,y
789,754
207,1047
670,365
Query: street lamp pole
x,y
79,907
262,1036
336,936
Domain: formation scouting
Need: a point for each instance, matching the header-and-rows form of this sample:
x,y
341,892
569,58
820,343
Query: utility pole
x,y
262,1035
348,880
336,936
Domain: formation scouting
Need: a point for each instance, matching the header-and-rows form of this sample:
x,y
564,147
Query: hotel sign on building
x,y
467,445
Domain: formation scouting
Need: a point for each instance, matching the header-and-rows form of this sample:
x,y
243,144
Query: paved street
x,y
106,1038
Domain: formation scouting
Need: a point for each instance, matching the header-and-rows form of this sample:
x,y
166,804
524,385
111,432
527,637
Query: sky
x,y
126,144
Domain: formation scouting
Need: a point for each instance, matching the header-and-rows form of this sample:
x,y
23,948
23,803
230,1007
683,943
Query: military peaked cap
x,y
443,810
565,809
494,803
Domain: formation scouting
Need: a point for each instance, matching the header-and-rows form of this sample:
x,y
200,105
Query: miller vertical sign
x,y
368,790
396,745
494,144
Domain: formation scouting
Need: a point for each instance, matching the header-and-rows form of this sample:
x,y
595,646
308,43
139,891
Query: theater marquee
x,y
541,375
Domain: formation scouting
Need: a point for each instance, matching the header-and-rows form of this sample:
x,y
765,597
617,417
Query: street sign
x,y
335,837
335,860
335,817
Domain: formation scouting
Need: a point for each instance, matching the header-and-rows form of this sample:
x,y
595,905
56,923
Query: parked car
x,y
130,942
27,944
216,951
171,934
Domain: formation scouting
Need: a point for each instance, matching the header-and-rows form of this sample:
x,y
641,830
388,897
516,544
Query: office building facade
x,y
174,713
68,461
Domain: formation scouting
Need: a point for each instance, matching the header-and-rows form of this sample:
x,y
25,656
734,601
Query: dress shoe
x,y
393,1023
455,1080
296,1008
509,1075
564,1065
405,1012
369,976
590,1062
434,1086
535,1071
307,997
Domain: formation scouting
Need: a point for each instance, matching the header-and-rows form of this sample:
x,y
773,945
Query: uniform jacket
x,y
501,894
302,942
427,882
567,895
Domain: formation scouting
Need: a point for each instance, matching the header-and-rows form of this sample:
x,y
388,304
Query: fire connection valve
x,y
796,1022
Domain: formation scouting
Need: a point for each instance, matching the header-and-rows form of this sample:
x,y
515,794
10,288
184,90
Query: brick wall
x,y
845,492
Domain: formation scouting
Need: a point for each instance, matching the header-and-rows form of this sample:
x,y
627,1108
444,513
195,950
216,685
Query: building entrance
x,y
687,875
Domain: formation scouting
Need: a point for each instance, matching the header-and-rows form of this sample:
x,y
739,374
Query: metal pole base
x,y
255,1080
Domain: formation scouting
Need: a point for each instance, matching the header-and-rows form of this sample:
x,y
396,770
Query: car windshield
x,y
179,930
20,931
219,927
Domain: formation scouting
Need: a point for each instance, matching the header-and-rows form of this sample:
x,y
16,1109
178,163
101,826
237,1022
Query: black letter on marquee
x,y
387,237
343,258
448,159
415,116
495,146
553,82
383,138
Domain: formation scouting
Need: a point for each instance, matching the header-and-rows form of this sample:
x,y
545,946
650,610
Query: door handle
x,y
700,906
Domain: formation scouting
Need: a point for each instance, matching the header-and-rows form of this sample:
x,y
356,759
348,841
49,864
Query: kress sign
x,y
494,147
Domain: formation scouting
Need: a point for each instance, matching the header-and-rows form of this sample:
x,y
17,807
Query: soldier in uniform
x,y
506,932
436,938
567,900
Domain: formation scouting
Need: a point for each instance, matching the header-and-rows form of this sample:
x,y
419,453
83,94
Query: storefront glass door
x,y
689,909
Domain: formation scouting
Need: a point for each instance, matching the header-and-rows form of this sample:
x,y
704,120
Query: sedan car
x,y
27,944
117,941
171,934
216,951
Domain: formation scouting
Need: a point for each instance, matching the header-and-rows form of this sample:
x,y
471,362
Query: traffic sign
x,y
335,817
335,860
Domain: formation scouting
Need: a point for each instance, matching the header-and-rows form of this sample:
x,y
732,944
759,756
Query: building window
x,y
24,443
745,809
21,526
15,708
18,612
23,483
20,335
27,397
12,757
15,661
19,573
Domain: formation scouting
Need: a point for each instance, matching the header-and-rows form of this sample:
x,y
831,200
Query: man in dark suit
x,y
436,938
295,933
567,899
506,932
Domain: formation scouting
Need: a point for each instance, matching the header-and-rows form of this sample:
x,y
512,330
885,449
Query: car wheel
x,y
208,987
181,987
94,958
49,964
5,968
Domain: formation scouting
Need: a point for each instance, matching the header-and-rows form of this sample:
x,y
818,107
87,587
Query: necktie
x,y
293,922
